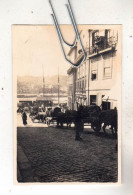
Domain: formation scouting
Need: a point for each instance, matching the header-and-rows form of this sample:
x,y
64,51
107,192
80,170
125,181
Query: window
x,y
94,71
94,36
80,84
85,70
107,34
83,84
81,71
93,75
93,99
77,85
107,72
107,69
78,73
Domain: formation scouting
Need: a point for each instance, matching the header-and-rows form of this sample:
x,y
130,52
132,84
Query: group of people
x,y
79,125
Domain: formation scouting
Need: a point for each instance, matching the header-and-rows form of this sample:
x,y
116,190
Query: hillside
x,y
32,84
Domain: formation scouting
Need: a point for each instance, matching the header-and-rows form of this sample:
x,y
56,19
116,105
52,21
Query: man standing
x,y
24,118
79,124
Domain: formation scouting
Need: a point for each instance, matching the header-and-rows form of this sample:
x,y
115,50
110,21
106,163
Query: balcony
x,y
101,44
80,91
99,39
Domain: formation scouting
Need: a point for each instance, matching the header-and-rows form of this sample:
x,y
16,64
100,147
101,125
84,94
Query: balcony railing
x,y
112,41
80,91
101,43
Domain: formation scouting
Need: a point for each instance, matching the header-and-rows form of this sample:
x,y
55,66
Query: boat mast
x,y
58,86
43,80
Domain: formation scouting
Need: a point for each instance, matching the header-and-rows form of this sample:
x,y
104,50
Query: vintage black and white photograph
x,y
67,103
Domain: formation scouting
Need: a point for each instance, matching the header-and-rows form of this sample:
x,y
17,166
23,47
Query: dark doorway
x,y
105,105
93,99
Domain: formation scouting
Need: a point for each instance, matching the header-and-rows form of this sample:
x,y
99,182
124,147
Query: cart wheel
x,y
96,128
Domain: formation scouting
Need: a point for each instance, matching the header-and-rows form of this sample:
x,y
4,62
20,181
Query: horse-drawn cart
x,y
40,116
108,120
88,114
93,115
100,119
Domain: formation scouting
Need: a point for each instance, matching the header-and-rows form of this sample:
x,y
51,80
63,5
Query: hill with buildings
x,y
34,85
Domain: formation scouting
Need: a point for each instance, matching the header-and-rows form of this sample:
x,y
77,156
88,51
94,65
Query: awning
x,y
30,99
113,94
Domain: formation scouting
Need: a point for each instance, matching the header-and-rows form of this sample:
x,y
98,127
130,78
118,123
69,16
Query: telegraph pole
x,y
43,81
58,86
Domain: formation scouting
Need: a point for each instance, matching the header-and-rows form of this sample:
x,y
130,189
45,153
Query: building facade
x,y
98,74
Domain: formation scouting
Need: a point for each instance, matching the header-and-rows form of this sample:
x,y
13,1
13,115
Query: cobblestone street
x,y
54,155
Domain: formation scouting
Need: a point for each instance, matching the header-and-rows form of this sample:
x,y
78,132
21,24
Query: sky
x,y
36,47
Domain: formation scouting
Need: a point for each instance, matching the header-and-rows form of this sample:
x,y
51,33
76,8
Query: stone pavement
x,y
24,169
52,155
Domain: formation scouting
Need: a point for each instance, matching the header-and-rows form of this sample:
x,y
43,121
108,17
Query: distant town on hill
x,y
34,84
